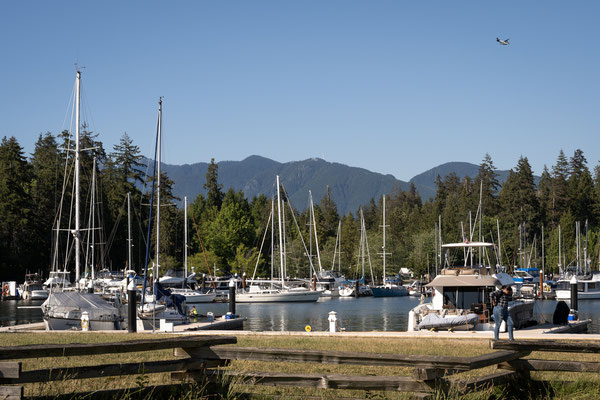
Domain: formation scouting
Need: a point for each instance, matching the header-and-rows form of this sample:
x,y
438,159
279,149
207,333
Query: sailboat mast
x,y
93,225
314,224
362,242
280,230
383,246
129,230
77,161
272,238
185,239
158,186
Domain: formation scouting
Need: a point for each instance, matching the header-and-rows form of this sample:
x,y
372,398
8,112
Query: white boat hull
x,y
276,296
589,295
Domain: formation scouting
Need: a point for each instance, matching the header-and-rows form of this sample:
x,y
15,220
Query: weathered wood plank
x,y
477,383
581,346
11,392
327,357
428,374
10,369
81,349
322,381
494,358
99,371
550,365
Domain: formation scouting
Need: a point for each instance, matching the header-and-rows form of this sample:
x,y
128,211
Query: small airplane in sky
x,y
503,42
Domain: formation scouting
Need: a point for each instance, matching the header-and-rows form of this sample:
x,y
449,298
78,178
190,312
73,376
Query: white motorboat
x,y
587,289
32,288
465,290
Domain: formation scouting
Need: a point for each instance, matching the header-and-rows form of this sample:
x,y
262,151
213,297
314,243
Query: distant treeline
x,y
36,199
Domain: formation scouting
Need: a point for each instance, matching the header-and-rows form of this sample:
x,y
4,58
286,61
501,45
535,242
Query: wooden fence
x,y
197,353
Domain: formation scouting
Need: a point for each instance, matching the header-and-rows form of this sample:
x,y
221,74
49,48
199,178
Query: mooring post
x,y
131,307
232,296
314,282
244,281
357,291
574,295
332,321
203,282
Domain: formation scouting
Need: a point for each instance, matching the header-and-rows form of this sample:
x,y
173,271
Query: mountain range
x,y
350,187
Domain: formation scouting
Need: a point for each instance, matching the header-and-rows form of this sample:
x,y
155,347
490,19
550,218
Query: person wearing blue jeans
x,y
500,299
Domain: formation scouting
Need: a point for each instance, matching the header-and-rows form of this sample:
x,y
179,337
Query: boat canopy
x,y
464,280
467,244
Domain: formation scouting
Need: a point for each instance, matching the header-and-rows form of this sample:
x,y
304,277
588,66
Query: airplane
x,y
503,42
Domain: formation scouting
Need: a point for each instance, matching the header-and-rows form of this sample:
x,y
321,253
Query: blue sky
x,y
395,87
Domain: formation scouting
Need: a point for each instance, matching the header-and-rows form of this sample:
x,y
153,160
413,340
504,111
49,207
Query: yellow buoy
x,y
307,328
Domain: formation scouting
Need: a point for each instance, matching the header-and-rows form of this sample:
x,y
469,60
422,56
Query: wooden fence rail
x,y
195,355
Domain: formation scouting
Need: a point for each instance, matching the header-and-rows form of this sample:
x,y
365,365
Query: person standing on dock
x,y
500,299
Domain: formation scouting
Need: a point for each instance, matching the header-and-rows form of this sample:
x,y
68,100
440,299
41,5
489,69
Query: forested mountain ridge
x,y
351,187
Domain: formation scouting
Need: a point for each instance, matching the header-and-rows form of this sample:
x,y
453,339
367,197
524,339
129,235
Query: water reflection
x,y
364,314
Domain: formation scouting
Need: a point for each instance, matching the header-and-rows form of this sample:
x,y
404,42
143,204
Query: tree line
x,y
229,233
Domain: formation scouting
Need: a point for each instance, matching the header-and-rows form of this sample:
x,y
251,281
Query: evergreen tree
x,y
15,210
580,188
559,199
214,194
487,182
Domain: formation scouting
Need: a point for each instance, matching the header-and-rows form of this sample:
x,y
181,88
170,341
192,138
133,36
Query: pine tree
x,y
580,188
214,194
15,210
487,181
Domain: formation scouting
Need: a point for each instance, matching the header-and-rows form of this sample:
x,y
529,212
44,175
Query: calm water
x,y
364,314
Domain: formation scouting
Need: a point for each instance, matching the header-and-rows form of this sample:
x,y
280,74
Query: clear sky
x,y
396,87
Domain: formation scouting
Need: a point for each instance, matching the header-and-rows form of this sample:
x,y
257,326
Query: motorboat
x,y
464,290
32,288
587,288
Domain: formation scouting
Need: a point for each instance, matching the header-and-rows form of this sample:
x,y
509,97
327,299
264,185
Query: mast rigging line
x,y
203,251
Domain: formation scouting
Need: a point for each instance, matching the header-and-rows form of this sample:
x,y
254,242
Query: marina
x,y
367,314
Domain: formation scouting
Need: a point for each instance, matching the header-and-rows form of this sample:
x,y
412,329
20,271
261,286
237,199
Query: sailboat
x,y
191,295
330,282
161,304
388,288
257,293
64,310
363,288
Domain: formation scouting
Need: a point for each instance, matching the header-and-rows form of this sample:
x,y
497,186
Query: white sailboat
x,y
151,312
363,288
191,295
259,294
64,310
387,289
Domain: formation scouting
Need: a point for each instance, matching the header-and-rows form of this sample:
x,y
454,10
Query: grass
x,y
583,385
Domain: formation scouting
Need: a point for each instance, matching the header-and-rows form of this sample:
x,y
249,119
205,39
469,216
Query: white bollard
x,y
85,321
332,321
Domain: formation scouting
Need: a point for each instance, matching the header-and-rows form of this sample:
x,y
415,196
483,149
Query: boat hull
x,y
68,324
278,297
589,295
389,291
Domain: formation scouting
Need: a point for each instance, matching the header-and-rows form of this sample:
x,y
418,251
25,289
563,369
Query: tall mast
x,y
185,239
383,253
93,225
314,223
158,186
272,237
129,230
559,250
362,241
77,160
499,245
280,235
